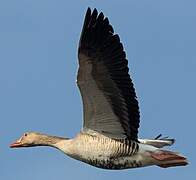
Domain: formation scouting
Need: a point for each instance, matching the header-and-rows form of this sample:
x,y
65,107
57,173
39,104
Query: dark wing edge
x,y
99,42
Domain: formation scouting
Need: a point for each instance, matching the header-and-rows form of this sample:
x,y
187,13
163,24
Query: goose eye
x,y
25,134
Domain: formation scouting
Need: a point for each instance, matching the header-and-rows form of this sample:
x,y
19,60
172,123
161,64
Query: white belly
x,y
103,153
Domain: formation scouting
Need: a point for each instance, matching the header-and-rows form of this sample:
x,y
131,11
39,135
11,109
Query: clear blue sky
x,y
38,65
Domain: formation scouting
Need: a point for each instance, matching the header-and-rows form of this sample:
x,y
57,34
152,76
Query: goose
x,y
109,137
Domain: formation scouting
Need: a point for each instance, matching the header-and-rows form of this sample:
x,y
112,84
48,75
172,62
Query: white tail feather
x,y
159,143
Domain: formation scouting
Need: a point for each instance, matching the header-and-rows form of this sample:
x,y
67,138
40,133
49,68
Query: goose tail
x,y
158,142
167,159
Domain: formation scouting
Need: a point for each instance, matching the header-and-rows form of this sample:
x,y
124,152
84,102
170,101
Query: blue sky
x,y
38,65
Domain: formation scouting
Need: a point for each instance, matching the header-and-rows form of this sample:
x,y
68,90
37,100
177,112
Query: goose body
x,y
102,152
109,138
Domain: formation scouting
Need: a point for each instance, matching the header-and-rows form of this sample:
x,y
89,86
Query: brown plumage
x,y
109,138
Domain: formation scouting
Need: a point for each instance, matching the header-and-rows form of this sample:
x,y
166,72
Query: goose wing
x,y
110,105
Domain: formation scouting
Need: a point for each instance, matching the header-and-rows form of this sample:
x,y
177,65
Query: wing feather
x,y
109,100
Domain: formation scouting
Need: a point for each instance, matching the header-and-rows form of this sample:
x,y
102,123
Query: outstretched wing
x,y
109,100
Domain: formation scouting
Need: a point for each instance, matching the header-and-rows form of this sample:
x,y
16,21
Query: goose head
x,y
30,139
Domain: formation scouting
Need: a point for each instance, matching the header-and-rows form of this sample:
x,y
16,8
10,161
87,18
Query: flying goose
x,y
109,137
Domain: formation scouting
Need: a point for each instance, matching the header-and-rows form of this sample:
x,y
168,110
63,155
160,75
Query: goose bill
x,y
16,144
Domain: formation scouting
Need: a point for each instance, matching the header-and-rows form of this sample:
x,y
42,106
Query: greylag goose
x,y
109,137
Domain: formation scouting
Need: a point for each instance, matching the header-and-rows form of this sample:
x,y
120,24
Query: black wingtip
x,y
94,13
95,10
88,12
101,15
173,141
157,137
